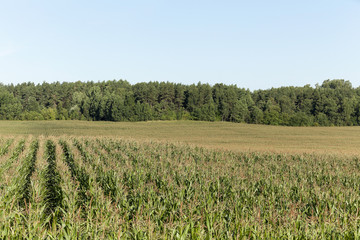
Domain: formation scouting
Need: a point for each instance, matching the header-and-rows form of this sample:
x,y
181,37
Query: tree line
x,y
334,102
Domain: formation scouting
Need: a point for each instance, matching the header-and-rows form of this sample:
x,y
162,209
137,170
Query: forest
x,y
332,103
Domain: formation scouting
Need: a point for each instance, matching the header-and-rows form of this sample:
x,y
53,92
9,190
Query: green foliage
x,y
48,113
32,115
334,102
10,107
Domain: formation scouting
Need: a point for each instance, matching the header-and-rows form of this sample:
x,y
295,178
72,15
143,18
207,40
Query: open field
x,y
214,135
151,180
104,188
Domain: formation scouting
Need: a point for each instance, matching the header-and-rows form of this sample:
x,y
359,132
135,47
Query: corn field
x,y
107,188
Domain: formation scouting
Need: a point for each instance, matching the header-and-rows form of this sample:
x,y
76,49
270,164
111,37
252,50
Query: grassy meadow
x,y
177,180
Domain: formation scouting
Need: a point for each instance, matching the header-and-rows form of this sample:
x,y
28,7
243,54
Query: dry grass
x,y
215,135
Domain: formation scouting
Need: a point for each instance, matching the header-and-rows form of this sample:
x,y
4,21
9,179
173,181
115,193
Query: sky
x,y
255,44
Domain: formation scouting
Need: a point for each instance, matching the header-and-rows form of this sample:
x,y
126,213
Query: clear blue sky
x,y
256,44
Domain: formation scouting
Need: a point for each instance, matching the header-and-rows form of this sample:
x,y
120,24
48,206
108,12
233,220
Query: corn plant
x,y
78,174
52,191
148,190
106,179
4,149
14,156
23,182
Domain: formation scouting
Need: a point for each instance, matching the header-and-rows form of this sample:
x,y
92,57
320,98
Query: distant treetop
x,y
334,102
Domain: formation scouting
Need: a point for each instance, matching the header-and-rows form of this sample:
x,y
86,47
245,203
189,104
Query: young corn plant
x,y
14,156
4,149
23,182
147,190
106,179
52,191
78,174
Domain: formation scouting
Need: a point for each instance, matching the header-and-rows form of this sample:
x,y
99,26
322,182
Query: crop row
x,y
4,149
51,183
126,189
105,179
77,173
16,153
23,182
